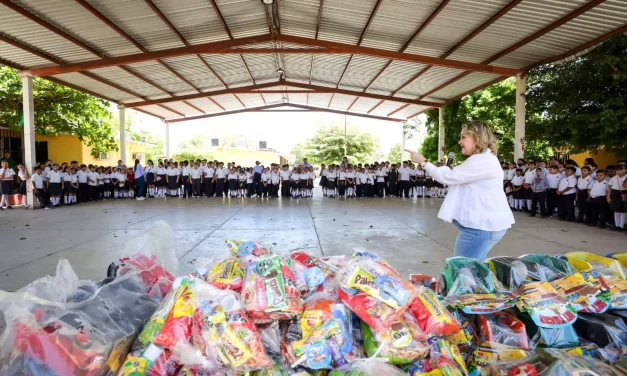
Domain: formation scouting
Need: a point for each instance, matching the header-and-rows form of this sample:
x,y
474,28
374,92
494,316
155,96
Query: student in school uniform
x,y
350,181
66,178
38,188
219,178
386,170
403,179
23,175
285,181
92,182
380,176
429,183
172,179
54,185
420,181
7,175
208,177
597,201
120,185
394,180
241,183
567,190
323,179
101,183
161,180
358,187
232,178
517,190
227,171
581,197
108,187
196,177
303,182
615,191
529,175
150,178
312,179
186,182
413,180
331,181
83,187
250,183
73,185
275,179
130,182
511,172
341,183
553,178
539,185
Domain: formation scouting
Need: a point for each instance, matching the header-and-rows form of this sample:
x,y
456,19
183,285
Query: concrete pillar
x,y
29,134
403,145
122,110
440,133
167,139
519,131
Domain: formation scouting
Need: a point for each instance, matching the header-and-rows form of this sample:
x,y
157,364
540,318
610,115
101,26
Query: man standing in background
x,y
257,171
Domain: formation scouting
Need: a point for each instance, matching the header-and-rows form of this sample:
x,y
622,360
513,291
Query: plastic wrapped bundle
x,y
503,328
369,367
553,362
431,315
227,274
471,287
374,290
546,307
86,330
269,291
607,331
514,272
402,343
246,248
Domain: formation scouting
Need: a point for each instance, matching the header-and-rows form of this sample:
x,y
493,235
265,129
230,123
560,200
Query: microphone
x,y
451,158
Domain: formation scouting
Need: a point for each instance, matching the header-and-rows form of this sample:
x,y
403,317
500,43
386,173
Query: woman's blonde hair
x,y
484,138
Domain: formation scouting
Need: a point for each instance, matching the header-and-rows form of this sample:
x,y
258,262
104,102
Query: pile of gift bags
x,y
263,311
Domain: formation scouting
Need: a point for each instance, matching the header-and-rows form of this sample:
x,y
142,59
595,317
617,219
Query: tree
x,y
327,146
58,110
193,149
298,151
581,104
395,154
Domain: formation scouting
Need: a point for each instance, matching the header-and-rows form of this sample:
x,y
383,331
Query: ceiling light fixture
x,y
267,2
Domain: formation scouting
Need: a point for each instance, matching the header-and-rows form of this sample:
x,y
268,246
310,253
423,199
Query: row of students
x,y
597,197
380,180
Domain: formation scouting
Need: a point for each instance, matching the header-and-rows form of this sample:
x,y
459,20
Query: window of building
x,y
103,156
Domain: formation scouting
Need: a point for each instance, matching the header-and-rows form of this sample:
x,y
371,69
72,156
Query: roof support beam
x,y
258,89
572,15
320,7
303,108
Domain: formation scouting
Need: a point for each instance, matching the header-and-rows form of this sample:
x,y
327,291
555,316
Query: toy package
x,y
513,272
431,315
546,307
503,328
607,331
369,367
226,274
553,362
402,343
472,288
374,290
246,249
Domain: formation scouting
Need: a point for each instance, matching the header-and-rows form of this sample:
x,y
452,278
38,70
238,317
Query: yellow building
x,y
602,158
67,148
246,157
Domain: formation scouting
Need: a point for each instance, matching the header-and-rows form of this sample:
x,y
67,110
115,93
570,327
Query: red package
x,y
372,311
503,328
163,366
177,327
432,317
303,258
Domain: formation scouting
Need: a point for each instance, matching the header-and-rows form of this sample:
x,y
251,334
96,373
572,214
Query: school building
x,y
247,157
66,148
601,157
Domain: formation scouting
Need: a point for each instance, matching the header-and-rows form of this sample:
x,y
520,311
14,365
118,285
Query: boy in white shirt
x,y
529,176
38,188
380,176
209,173
265,182
403,179
553,178
285,175
83,187
196,176
275,178
92,182
581,198
597,201
566,191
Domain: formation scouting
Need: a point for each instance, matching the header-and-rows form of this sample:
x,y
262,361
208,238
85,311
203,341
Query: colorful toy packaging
x,y
402,343
226,274
431,316
269,290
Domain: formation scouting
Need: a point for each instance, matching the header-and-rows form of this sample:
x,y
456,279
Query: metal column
x,y
29,134
519,132
167,139
441,133
122,110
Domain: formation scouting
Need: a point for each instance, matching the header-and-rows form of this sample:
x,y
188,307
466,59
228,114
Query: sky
x,y
281,131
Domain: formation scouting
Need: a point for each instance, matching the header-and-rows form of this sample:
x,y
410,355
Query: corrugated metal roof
x,y
342,21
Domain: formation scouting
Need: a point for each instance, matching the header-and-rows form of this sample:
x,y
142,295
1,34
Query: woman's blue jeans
x,y
475,243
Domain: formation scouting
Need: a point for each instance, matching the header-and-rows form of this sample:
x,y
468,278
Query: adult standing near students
x,y
305,163
140,180
476,203
257,171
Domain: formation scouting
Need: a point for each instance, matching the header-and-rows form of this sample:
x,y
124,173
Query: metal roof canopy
x,y
385,59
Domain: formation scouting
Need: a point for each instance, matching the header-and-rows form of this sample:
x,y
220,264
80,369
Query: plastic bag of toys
x,y
431,315
227,274
607,331
246,249
547,308
513,272
82,328
436,365
472,288
372,289
269,291
309,276
402,343
553,362
369,367
503,328
613,272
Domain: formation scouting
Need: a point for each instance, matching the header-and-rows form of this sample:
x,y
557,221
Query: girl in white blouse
x,y
476,202
6,184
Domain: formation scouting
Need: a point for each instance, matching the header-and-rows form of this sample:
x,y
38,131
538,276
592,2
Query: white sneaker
x,y
140,198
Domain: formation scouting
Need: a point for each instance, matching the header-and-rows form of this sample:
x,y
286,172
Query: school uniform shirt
x,y
577,171
107,178
73,178
304,176
185,171
404,173
250,178
22,175
275,177
518,180
617,182
8,175
149,170
38,180
584,183
554,180
475,197
598,189
265,177
386,170
173,171
593,175
570,181
350,175
161,171
364,178
420,173
220,173
312,176
195,173
54,177
285,175
358,177
529,176
342,176
93,178
233,176
511,174
225,172
380,176
242,176
82,176
371,178
208,171
101,179
121,178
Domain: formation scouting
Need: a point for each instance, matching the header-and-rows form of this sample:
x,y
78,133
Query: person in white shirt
x,y
285,175
38,188
386,171
566,191
83,188
341,183
150,178
413,181
597,204
7,175
331,181
529,175
350,181
119,182
250,183
275,178
475,202
186,182
312,178
616,190
227,171
420,181
581,198
403,179
265,182
380,176
518,202
552,199
208,177
304,182
92,182
23,174
161,180
54,185
196,176
106,179
66,178
232,179
172,180
364,180
323,179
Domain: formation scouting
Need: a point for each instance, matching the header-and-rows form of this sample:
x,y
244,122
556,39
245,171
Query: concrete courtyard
x,y
405,232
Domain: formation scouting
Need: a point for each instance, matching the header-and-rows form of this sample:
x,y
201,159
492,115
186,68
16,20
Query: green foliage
x,y
298,151
194,148
58,110
327,146
395,154
581,104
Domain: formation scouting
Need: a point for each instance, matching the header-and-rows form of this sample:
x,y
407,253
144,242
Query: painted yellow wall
x,y
601,158
63,148
114,156
245,157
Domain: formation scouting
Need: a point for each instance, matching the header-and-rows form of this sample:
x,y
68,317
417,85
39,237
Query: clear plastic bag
x,y
225,274
431,315
86,328
503,328
369,367
402,343
472,288
513,272
607,331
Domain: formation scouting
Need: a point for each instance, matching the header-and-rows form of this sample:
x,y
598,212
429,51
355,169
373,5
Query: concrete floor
x,y
405,232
